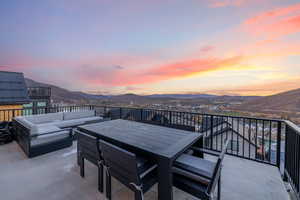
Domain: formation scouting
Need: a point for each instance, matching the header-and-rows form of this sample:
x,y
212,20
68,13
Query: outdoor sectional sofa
x,y
40,134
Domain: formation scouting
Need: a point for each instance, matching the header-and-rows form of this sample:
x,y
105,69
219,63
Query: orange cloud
x,y
159,73
190,67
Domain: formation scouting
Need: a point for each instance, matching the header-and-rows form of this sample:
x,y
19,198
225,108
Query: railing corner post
x,y
211,130
278,146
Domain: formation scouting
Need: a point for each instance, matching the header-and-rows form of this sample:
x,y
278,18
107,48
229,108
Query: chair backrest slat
x,y
122,164
89,146
182,127
217,170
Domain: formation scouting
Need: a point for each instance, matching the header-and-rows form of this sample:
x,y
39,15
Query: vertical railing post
x,y
141,114
286,156
211,130
47,109
120,113
104,111
170,117
13,114
34,108
278,146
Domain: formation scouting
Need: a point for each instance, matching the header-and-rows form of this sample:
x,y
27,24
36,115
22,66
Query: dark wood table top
x,y
159,140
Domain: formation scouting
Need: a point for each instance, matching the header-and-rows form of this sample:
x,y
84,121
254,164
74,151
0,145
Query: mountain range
x,y
283,102
286,101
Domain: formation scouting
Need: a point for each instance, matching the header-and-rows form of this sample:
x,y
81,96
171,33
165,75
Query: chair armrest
x,y
202,179
206,151
154,167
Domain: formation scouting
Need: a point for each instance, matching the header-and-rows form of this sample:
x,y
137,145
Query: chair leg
x,y
81,166
108,186
138,195
219,188
100,178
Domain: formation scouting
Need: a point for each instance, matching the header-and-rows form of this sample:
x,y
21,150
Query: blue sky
x,y
154,46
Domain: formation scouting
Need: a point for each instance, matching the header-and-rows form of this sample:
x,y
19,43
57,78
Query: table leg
x,y
78,154
165,179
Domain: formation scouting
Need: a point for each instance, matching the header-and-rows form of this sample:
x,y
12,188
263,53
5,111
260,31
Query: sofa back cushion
x,y
79,114
44,118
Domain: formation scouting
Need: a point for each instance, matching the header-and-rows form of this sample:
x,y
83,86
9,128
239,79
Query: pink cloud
x,y
225,3
275,13
207,48
275,23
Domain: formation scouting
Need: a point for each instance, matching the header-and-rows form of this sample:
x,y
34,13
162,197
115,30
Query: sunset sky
x,y
245,47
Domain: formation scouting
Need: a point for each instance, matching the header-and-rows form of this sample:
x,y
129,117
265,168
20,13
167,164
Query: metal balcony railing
x,y
270,141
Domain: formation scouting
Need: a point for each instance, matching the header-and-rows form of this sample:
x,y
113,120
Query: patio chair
x,y
88,147
135,172
199,176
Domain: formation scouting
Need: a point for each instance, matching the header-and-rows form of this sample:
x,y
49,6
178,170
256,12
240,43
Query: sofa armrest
x,y
22,135
51,132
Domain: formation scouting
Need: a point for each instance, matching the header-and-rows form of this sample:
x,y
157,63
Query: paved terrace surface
x,y
55,176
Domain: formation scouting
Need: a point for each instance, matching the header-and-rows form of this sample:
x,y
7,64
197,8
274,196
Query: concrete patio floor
x,y
55,176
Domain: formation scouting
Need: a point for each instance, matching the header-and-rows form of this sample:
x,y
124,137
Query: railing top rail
x,y
293,126
42,87
198,113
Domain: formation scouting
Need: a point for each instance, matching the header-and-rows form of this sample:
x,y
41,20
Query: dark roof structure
x,y
13,89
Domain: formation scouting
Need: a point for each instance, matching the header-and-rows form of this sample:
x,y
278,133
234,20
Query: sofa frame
x,y
23,138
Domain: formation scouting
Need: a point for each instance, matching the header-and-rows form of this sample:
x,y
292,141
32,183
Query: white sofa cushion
x,y
39,124
78,114
44,118
42,139
43,128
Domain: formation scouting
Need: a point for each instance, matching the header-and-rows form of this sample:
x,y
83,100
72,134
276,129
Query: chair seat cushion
x,y
191,176
198,166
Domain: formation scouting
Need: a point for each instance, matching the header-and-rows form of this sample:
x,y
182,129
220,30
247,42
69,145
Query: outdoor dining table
x,y
158,143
